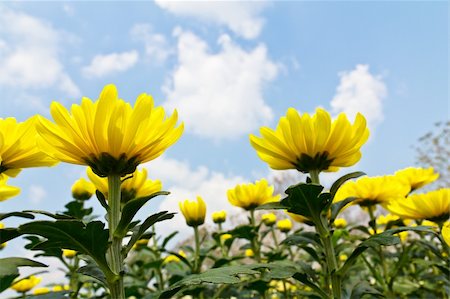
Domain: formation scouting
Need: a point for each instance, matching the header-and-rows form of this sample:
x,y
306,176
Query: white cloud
x,y
36,194
242,17
157,48
185,182
29,54
360,91
102,65
219,95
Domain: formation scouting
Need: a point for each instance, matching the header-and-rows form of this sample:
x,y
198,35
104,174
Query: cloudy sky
x,y
228,68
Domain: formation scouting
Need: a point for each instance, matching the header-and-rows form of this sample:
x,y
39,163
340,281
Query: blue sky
x,y
228,68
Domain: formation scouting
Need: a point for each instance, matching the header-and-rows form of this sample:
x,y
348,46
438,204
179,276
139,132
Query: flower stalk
x,y
115,251
197,251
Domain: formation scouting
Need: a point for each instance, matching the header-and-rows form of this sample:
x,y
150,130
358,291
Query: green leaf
x,y
16,214
302,238
243,232
9,269
168,238
304,199
90,239
54,216
129,211
139,230
51,295
76,209
102,200
338,183
363,288
272,206
7,234
305,279
338,206
95,272
34,240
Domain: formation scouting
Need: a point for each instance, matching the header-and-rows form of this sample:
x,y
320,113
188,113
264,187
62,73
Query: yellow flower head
x,y
18,147
372,190
109,135
5,190
402,235
133,186
383,220
24,285
225,237
417,177
343,257
41,291
269,219
68,253
340,223
82,189
250,196
193,211
219,216
249,253
284,225
433,206
446,232
305,142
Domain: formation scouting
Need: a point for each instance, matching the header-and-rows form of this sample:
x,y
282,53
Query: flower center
x,y
319,162
105,164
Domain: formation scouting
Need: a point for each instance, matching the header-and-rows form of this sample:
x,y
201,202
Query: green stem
x,y
254,242
116,287
74,287
197,265
330,255
274,236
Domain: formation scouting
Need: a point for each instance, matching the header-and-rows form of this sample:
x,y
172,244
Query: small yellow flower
x,y
41,291
193,211
417,177
340,223
18,147
343,257
370,191
173,258
269,219
225,237
284,225
219,216
68,253
371,231
250,196
82,189
446,232
58,288
402,235
383,220
133,186
7,191
24,285
311,142
108,135
433,206
249,253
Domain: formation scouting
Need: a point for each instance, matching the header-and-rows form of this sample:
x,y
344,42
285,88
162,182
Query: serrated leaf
x,y
76,209
16,214
129,211
8,233
302,238
95,272
90,239
51,215
306,200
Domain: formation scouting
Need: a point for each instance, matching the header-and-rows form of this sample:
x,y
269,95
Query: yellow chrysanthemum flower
x,y
7,191
250,196
41,291
69,253
18,147
269,219
340,223
433,206
249,253
133,186
193,211
219,216
82,189
417,177
446,232
370,191
343,257
109,135
284,225
313,142
24,285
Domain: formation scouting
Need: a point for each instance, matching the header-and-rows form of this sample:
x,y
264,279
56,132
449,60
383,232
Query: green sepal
x,y
129,210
